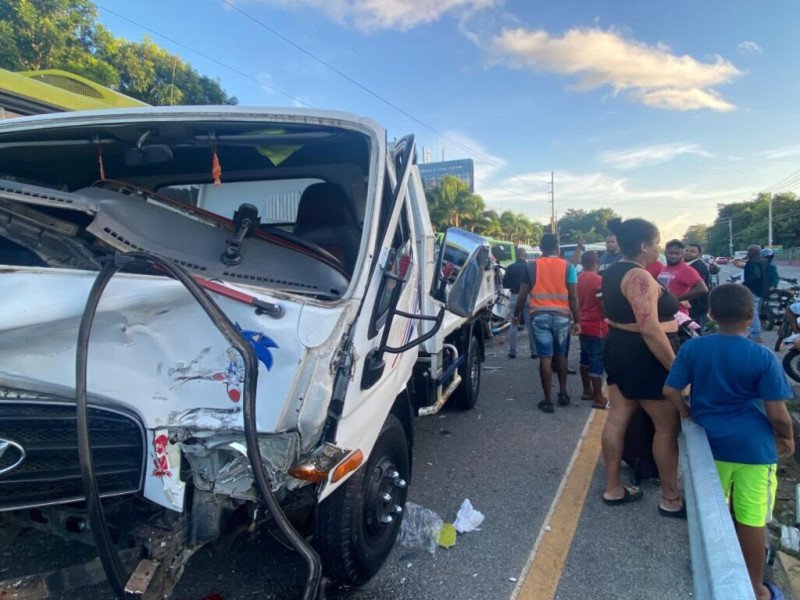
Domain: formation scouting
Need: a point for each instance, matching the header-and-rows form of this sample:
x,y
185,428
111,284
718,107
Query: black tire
x,y
465,395
791,364
784,331
349,535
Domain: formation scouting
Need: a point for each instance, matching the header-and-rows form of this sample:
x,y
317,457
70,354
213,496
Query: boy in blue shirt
x,y
737,396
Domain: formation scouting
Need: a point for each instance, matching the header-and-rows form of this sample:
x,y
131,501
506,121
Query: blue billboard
x,y
432,173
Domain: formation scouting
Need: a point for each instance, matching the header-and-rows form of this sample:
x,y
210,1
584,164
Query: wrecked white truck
x,y
214,318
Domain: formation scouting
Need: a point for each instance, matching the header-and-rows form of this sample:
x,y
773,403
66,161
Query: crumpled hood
x,y
152,349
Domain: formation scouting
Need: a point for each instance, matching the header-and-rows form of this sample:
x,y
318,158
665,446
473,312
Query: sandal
x,y
546,406
630,494
672,514
563,399
774,592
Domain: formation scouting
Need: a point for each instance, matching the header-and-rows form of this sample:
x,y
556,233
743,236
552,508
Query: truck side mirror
x,y
463,295
462,258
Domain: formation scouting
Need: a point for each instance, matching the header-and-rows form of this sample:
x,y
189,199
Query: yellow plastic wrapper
x,y
447,536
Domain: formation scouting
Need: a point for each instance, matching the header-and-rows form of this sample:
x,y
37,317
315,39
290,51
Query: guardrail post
x,y
718,568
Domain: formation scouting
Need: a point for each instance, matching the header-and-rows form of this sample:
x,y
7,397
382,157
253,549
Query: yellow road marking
x,y
539,580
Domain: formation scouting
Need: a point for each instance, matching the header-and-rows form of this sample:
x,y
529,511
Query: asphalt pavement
x,y
509,459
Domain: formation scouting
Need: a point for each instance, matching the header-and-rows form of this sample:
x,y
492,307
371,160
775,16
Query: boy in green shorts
x,y
737,396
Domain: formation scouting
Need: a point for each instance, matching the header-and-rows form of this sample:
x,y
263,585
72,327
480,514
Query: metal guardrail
x,y
718,568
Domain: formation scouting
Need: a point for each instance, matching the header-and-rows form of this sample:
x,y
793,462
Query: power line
x,y
327,65
206,56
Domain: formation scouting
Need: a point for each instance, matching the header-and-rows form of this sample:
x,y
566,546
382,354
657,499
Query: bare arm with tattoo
x,y
642,291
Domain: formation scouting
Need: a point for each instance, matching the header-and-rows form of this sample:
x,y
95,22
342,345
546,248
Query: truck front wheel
x,y
466,394
357,525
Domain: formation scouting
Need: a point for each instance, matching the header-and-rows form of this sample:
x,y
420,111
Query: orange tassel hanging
x,y
216,169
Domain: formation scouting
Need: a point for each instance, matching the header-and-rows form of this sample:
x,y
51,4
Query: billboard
x,y
432,173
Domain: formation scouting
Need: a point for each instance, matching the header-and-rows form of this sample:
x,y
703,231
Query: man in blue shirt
x,y
737,395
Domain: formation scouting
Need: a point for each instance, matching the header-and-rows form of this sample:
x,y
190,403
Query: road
x,y
510,460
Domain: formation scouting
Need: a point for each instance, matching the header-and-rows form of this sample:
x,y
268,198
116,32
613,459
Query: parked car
x,y
721,260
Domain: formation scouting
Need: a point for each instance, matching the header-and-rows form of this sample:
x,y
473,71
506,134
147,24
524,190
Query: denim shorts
x,y
592,349
549,332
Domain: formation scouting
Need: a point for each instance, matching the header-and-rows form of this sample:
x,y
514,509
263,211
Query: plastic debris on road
x,y
790,538
468,519
447,536
420,528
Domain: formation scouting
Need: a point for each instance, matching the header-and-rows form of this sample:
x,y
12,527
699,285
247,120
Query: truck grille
x,y
50,473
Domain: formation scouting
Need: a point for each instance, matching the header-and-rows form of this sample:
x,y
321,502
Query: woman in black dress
x,y
640,349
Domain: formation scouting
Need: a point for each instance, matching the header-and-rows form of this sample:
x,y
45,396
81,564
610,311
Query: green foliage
x,y
453,205
64,34
750,222
697,234
589,224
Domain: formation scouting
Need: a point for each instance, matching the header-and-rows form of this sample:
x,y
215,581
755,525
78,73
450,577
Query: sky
x,y
660,110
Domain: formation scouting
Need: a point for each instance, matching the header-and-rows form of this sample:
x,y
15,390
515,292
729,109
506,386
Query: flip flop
x,y
673,514
774,592
631,494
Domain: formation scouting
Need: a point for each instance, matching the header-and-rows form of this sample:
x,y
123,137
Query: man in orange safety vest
x,y
549,288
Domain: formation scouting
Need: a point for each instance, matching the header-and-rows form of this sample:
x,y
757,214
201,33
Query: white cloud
x,y
652,75
778,153
649,155
373,15
672,209
748,47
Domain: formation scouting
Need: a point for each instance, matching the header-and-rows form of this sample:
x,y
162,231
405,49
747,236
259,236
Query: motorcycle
x,y
777,301
791,360
773,305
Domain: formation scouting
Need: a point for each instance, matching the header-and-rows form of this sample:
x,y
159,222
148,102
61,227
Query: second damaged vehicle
x,y
271,313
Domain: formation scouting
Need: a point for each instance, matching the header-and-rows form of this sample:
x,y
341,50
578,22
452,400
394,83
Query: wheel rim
x,y
794,367
382,496
475,373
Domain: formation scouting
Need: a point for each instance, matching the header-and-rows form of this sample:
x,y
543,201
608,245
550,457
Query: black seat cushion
x,y
325,217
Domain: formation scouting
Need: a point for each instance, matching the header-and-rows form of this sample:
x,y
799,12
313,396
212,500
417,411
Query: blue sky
x,y
659,110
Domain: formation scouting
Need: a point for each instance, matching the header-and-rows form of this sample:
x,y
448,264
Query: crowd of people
x,y
626,307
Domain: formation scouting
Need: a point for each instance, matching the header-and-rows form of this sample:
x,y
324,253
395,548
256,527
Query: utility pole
x,y
730,236
769,235
552,204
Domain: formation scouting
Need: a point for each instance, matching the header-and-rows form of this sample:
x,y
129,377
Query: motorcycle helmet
x,y
767,253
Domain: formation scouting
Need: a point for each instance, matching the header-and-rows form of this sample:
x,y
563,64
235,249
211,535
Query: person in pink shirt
x,y
679,278
593,330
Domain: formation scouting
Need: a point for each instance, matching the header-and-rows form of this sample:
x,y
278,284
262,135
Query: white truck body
x,y
155,356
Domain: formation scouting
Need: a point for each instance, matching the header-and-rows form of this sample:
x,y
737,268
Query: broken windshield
x,y
270,204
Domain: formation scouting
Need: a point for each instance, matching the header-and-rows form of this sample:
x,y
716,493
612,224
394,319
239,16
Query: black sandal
x,y
630,494
672,514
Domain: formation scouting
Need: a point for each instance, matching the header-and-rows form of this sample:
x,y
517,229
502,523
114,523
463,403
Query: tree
x,y
696,234
750,223
589,224
452,204
64,34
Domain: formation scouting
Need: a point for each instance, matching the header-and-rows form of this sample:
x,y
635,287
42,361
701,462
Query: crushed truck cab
x,y
209,309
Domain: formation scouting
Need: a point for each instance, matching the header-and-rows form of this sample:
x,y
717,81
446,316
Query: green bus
x,y
36,92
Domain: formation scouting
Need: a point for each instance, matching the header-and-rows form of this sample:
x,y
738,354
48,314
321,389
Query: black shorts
x,y
631,366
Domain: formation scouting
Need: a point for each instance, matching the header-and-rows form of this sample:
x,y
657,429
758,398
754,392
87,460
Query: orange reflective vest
x,y
549,291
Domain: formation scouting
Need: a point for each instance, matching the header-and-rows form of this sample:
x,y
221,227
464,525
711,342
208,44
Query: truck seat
x,y
325,217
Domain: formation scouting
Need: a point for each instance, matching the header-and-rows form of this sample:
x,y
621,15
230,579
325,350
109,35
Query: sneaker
x,y
546,406
512,355
563,399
